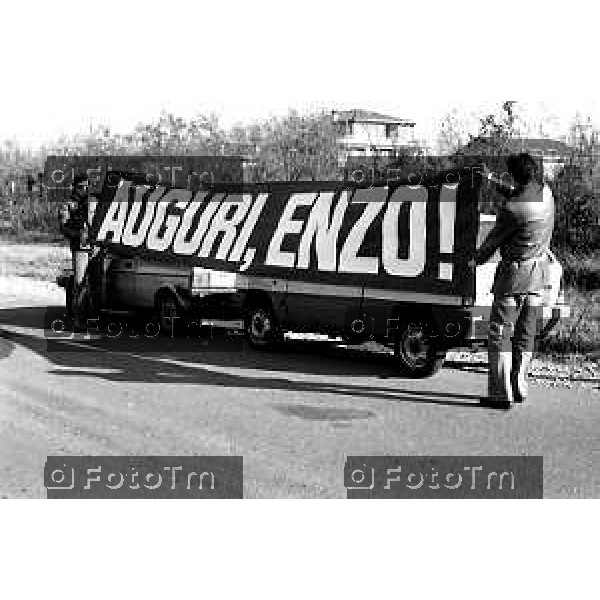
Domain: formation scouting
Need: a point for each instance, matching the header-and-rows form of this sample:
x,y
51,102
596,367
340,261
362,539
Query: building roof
x,y
367,116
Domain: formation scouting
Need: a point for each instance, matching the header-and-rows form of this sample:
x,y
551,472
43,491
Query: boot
x,y
81,258
80,308
518,376
500,394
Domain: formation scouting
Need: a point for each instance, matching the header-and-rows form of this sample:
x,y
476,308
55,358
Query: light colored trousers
x,y
513,327
81,259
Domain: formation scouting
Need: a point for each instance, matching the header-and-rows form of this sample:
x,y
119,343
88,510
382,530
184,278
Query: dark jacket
x,y
73,223
522,233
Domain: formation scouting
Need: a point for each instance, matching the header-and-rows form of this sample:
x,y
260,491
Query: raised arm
x,y
505,226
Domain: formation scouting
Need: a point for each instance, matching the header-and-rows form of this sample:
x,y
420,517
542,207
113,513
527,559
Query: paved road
x,y
294,415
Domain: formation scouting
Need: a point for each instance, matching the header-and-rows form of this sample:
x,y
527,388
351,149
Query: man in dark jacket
x,y
74,226
522,233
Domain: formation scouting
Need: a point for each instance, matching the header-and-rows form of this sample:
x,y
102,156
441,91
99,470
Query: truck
x,y
387,263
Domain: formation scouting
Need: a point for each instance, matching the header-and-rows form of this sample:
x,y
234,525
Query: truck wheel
x,y
169,314
416,352
261,328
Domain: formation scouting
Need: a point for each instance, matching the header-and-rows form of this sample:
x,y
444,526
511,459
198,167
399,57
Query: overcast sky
x,y
67,66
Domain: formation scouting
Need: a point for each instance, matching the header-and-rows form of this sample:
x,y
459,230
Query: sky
x,y
67,68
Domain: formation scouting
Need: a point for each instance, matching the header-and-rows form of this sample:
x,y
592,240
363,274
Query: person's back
x,y
533,214
522,234
528,221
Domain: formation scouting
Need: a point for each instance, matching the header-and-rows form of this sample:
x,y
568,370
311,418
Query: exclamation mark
x,y
447,218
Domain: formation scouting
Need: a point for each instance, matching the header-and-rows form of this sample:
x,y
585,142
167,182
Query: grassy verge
x,y
580,270
580,333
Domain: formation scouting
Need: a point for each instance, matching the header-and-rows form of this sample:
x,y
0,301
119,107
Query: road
x,y
293,415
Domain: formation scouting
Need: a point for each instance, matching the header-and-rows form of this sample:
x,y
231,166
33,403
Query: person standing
x,y
523,232
74,226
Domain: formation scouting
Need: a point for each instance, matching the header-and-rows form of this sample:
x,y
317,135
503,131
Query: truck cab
x,y
167,291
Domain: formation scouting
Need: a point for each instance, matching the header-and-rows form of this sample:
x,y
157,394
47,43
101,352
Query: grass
x,y
581,269
580,333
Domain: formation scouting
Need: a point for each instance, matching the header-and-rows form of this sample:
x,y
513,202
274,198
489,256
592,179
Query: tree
x,y
577,191
295,147
453,132
174,135
501,129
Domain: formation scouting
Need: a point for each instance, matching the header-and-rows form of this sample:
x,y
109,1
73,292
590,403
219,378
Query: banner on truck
x,y
411,237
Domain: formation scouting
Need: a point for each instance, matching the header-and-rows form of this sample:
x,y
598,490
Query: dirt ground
x,y
41,262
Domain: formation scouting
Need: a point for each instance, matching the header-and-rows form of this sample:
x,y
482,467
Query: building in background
x,y
366,134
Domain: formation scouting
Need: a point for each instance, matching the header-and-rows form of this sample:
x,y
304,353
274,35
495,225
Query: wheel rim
x,y
415,347
260,326
168,311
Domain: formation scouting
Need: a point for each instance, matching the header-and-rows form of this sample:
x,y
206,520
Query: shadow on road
x,y
6,348
221,360
319,413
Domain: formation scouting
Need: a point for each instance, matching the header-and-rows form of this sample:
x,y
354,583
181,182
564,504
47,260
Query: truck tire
x,y
168,313
417,354
261,328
